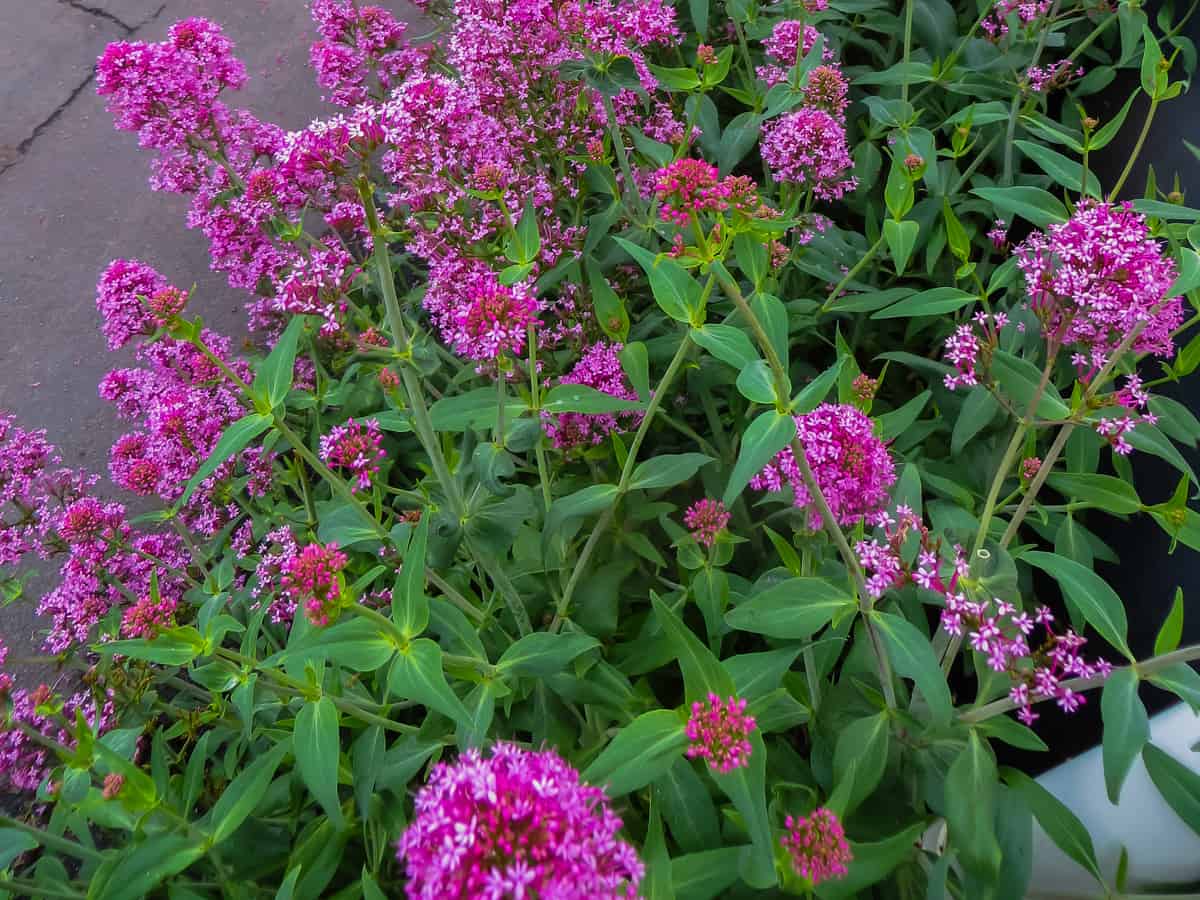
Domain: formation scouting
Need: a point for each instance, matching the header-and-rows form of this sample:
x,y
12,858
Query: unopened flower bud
x,y
1175,197
706,54
1090,123
913,162
112,785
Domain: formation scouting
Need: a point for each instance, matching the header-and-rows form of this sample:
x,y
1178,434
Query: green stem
x,y
908,24
1016,100
21,887
849,276
1137,150
535,404
1141,669
614,130
53,841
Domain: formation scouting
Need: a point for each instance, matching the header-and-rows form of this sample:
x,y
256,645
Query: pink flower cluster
x,y
358,42
275,554
995,23
817,846
515,823
354,448
123,297
971,345
1132,398
999,631
851,465
312,579
690,187
789,42
719,731
1043,79
808,147
599,368
493,320
706,519
1095,278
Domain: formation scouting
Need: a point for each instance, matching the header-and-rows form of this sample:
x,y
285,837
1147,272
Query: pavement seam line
x,y
23,147
100,14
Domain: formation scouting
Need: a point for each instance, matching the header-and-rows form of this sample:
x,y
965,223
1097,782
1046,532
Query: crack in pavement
x,y
23,147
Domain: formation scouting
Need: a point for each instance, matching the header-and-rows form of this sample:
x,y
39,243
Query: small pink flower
x,y
354,448
719,732
808,147
493,319
310,579
1029,467
817,845
706,519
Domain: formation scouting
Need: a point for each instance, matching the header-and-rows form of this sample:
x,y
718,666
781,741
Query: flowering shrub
x,y
664,467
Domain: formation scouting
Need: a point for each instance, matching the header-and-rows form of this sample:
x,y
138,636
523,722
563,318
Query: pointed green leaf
x,y
766,436
912,656
1126,728
317,746
417,675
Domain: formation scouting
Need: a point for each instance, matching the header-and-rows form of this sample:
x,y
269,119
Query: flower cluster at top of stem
x,y
719,731
817,846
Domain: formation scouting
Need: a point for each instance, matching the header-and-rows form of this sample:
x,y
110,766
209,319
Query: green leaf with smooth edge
x,y
635,362
1060,824
901,237
702,876
609,308
747,788
934,302
242,795
1179,785
1181,680
862,754
12,844
871,863
474,409
751,255
1019,379
1032,204
1151,57
287,888
591,499
728,344
912,656
525,243
317,747
1105,492
755,383
814,393
956,235
971,808
1063,170
235,439
143,865
1126,728
791,610
675,79
1148,439
544,653
667,470
1171,632
638,753
1013,733
355,644
166,650
737,139
656,884
702,672
688,808
1091,595
367,755
1112,127
193,776
410,606
1169,212
675,290
1189,273
895,423
274,377
766,436
417,675
978,410
579,398
757,674
773,316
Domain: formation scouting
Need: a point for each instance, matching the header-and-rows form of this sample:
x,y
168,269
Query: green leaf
x,y
794,609
912,656
872,863
193,776
1126,728
234,440
773,317
410,606
895,423
1181,680
814,393
1112,127
1013,733
1171,631
675,79
1063,170
287,887
166,649
591,499
859,761
656,885
356,644
1102,491
474,409
754,382
934,302
242,795
901,237
667,471
1179,785
1060,824
766,436
1032,204
978,410
367,756
274,377
956,235
544,653
702,673
1169,212
145,864
1151,57
675,291
728,344
1189,273
702,876
636,365
417,675
579,398
747,788
609,308
1019,378
688,809
524,244
639,753
1089,593
971,808
317,746
738,139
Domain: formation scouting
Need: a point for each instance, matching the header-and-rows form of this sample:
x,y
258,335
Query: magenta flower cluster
x,y
599,368
1094,279
358,41
311,579
817,846
515,823
808,148
690,187
492,320
353,448
706,519
719,731
851,465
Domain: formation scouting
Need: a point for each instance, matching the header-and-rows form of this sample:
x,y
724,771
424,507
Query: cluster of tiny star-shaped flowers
x,y
354,447
719,731
311,579
706,519
515,823
817,846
